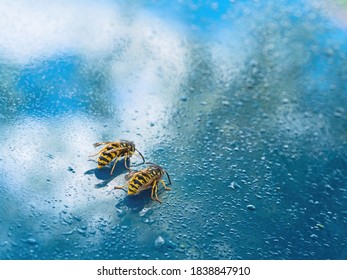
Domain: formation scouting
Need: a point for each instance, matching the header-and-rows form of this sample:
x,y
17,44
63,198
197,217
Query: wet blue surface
x,y
242,102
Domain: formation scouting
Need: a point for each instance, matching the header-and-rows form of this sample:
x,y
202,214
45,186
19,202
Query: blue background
x,y
242,102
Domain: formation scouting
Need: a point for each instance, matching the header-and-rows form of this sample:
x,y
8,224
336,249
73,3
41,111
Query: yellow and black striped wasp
x,y
115,150
146,178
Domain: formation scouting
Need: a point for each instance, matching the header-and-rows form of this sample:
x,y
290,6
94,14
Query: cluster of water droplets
x,y
243,106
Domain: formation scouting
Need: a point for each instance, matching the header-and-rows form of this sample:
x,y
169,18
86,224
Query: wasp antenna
x,y
143,159
168,176
126,164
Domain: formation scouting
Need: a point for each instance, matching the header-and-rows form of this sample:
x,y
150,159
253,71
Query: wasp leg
x,y
119,187
155,191
156,195
153,187
143,159
165,187
114,165
152,192
125,162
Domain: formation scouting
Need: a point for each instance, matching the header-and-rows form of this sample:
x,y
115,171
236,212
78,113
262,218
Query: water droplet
x,y
159,241
285,100
320,226
71,169
233,185
144,256
339,112
50,156
31,241
253,63
82,231
251,207
69,232
215,5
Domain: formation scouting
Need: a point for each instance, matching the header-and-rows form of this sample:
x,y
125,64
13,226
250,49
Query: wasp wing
x,y
114,150
97,144
148,184
131,174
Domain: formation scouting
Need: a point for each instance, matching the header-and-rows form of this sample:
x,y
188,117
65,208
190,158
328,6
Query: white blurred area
x,y
34,30
335,10
145,55
47,158
148,75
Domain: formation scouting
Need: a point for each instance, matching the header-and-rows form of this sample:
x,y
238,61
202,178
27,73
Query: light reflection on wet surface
x,y
250,123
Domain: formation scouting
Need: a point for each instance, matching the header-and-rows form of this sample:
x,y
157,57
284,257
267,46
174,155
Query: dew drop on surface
x,y
235,116
251,207
159,241
314,236
31,241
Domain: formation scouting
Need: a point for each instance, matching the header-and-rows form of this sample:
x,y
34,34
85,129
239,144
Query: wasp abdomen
x,y
103,160
133,188
106,157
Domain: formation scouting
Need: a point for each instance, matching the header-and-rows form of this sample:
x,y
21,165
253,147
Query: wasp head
x,y
159,169
130,145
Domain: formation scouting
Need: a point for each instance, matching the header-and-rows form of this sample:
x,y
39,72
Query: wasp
x,y
144,179
115,150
